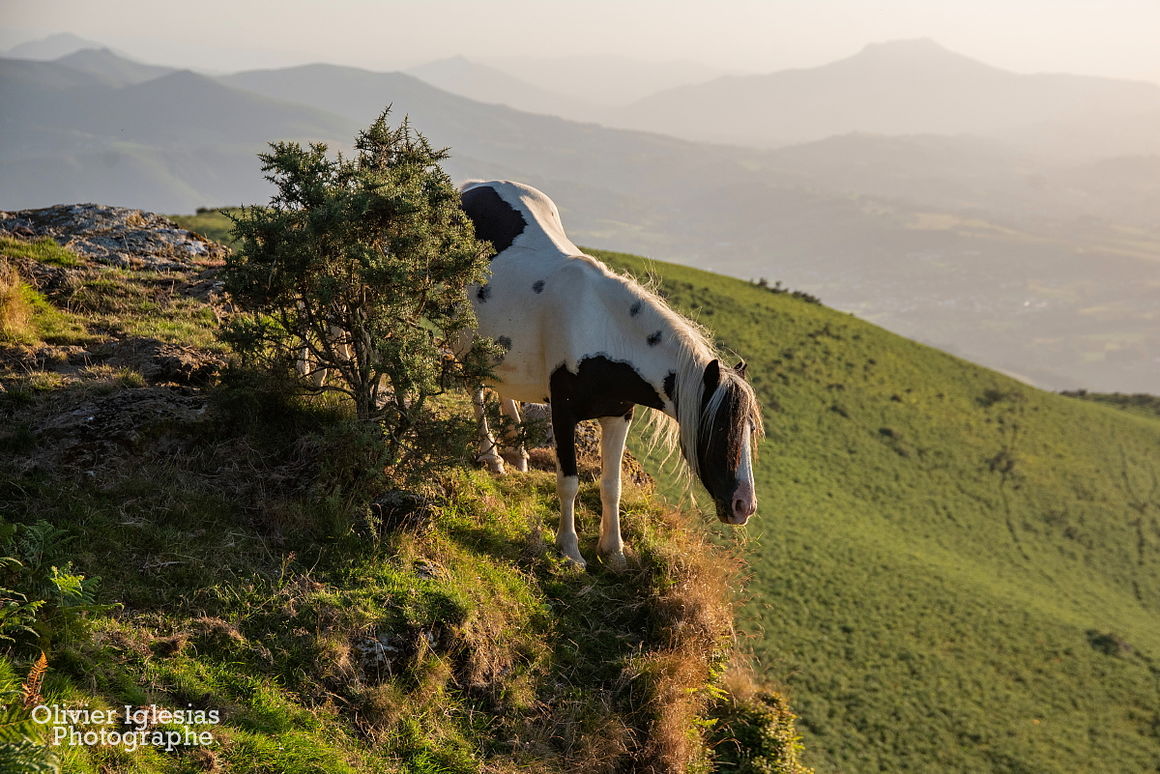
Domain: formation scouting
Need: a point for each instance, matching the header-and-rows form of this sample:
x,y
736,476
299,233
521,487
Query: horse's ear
x,y
712,376
740,368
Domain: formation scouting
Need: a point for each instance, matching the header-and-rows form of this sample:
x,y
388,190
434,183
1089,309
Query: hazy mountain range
x,y
912,87
484,83
943,221
599,79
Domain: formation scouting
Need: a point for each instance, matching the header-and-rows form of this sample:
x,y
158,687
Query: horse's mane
x,y
695,350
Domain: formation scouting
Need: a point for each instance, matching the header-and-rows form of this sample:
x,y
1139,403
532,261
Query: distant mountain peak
x,y
89,54
111,64
911,50
51,47
186,76
907,45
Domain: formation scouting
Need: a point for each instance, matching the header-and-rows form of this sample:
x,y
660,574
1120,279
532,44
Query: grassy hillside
x,y
181,534
951,571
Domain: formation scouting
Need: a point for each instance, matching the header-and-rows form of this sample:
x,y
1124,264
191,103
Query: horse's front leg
x,y
488,454
308,368
613,434
517,454
567,482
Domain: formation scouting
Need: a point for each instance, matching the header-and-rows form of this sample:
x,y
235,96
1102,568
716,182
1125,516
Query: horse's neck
x,y
678,367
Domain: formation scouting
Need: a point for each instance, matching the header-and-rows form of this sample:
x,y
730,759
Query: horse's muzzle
x,y
739,507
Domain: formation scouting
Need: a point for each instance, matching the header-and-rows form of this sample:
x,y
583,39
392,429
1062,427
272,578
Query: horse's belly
x,y
520,374
521,308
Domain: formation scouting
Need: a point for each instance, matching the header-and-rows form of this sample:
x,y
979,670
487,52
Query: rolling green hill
x,y
952,571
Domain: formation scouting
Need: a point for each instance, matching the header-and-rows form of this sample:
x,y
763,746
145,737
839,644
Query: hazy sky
x,y
1098,37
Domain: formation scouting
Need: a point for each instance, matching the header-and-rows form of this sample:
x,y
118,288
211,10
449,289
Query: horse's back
x,y
510,214
545,302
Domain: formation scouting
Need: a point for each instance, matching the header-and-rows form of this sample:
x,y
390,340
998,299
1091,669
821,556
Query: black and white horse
x,y
594,344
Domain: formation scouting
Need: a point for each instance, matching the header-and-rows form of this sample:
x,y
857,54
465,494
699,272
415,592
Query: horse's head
x,y
730,427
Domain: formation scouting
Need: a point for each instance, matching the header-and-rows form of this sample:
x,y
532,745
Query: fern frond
x,y
35,679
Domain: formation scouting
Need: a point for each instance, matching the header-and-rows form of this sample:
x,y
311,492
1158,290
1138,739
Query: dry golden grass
x,y
693,609
15,312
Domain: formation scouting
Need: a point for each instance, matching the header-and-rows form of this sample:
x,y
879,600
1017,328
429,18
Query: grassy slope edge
x,y
952,571
231,530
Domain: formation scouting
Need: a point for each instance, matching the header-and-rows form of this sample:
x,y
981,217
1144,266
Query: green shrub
x,y
357,272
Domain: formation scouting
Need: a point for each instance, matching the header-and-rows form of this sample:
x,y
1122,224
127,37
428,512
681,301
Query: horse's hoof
x,y
494,464
517,461
573,557
575,563
614,561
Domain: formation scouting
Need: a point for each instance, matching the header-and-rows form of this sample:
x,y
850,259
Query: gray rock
x,y
116,236
163,362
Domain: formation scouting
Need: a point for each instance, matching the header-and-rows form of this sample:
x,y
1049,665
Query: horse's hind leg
x,y
488,453
567,483
308,368
613,433
333,347
517,454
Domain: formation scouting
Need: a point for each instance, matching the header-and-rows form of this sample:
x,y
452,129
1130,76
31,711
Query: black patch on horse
x,y
538,287
495,220
670,385
654,339
600,388
719,452
634,310
483,293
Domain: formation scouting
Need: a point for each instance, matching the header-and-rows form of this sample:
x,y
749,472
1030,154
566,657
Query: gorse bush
x,y
356,271
754,733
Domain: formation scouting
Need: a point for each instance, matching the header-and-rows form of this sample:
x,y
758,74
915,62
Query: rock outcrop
x,y
116,236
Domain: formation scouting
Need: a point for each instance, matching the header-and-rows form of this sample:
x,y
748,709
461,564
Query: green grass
x,y
44,249
231,558
45,322
250,576
96,302
941,553
214,223
950,571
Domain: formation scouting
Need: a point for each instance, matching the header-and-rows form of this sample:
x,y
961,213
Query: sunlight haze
x,y
1114,38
